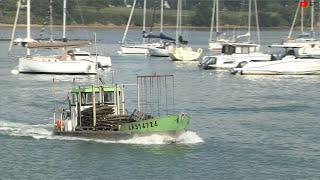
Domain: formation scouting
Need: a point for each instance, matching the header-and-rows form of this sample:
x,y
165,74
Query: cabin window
x,y
74,99
86,98
245,50
227,49
252,49
238,50
109,97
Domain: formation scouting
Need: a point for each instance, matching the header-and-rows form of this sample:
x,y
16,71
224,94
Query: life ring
x,y
59,123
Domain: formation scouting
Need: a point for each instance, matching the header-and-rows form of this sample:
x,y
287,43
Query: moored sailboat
x,y
234,53
216,44
137,47
182,51
65,63
167,43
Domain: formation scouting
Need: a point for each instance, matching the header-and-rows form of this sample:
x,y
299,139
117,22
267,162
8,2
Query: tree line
x,y
272,13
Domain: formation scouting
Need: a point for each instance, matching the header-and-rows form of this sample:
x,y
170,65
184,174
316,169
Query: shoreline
x,y
112,26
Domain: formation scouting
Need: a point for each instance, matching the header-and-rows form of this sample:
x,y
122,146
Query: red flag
x,y
304,3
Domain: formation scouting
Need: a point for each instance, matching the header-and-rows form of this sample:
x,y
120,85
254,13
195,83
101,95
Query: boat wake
x,y
44,131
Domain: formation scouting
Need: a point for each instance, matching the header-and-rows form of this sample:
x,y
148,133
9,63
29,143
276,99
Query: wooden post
x,y
79,107
94,107
54,118
123,100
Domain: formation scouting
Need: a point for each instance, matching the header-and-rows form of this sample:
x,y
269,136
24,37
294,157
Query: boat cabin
x,y
86,96
238,48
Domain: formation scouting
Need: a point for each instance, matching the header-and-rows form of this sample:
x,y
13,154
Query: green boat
x,y
99,111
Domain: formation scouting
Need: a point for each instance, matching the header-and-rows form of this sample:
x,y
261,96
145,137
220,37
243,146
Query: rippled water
x,y
243,127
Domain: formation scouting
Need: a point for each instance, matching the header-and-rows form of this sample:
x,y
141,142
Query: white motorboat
x,y
182,51
289,64
232,55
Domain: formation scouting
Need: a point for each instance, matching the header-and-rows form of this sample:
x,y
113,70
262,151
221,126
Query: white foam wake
x,y
44,131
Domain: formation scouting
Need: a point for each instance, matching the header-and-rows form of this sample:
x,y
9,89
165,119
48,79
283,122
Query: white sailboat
x,y
304,39
181,51
289,64
136,47
67,62
234,53
215,44
166,45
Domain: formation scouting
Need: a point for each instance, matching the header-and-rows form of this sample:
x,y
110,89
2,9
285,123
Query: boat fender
x,y
59,123
233,71
241,64
181,115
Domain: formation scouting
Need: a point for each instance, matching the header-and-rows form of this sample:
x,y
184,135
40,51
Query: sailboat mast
x,y
177,26
28,24
129,21
161,16
144,18
15,24
294,21
64,20
312,17
249,21
302,17
51,20
180,17
217,19
257,20
212,19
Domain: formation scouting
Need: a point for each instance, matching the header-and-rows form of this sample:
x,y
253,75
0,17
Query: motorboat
x,y
289,64
98,111
232,55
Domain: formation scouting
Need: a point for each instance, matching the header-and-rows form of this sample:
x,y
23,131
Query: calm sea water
x,y
243,127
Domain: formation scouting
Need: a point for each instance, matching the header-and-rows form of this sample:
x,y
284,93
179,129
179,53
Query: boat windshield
x,y
86,98
228,49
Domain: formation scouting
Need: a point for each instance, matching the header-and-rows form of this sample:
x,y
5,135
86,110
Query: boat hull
x,y
158,52
285,66
115,135
47,65
215,46
185,54
226,62
172,125
137,48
